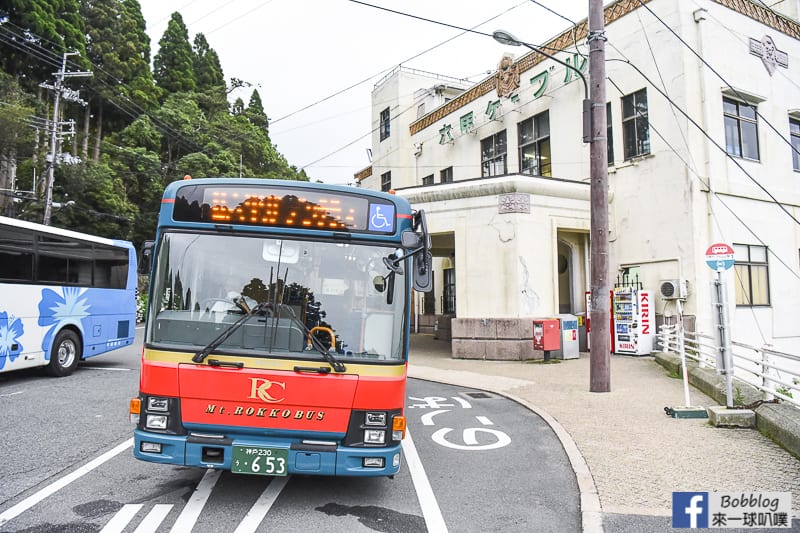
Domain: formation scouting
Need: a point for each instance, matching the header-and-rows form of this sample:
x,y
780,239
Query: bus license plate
x,y
262,461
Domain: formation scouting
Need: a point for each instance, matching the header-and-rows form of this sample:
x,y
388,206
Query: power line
x,y
712,140
712,69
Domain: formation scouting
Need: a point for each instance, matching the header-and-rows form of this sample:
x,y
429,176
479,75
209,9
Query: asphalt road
x,y
473,461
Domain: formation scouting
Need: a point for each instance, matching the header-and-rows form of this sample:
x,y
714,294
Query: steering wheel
x,y
313,330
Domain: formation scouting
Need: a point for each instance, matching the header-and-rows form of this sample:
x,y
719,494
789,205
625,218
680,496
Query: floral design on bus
x,y
57,310
11,330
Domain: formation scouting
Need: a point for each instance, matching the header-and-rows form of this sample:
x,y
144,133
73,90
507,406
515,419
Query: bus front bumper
x,y
342,461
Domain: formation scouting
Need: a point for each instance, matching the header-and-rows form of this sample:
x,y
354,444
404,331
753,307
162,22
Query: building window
x,y
428,180
384,127
449,293
609,135
635,125
794,133
446,175
741,133
534,145
386,181
493,155
752,275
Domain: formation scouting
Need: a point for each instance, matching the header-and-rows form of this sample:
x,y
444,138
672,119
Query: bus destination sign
x,y
281,207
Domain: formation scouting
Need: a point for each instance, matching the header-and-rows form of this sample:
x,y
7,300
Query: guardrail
x,y
768,370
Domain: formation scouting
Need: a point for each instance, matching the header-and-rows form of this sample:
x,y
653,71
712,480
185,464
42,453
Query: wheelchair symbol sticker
x,y
381,217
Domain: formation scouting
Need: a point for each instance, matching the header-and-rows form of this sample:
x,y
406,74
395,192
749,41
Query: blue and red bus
x,y
64,296
277,328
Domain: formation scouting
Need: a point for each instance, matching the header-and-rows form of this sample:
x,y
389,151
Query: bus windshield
x,y
339,295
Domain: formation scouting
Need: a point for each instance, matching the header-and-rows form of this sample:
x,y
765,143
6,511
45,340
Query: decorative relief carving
x,y
514,203
507,76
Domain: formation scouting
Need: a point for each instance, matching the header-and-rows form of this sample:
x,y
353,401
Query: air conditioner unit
x,y
674,289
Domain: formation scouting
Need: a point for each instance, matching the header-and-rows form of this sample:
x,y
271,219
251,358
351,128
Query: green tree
x,y
207,69
174,62
255,112
15,135
119,50
36,34
101,204
185,125
211,90
238,107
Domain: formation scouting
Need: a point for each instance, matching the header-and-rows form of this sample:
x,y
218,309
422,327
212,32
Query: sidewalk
x,y
636,455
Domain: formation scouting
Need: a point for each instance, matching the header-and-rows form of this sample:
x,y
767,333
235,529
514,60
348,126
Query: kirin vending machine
x,y
633,321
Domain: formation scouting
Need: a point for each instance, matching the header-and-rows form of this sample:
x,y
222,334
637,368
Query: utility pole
x,y
68,94
600,346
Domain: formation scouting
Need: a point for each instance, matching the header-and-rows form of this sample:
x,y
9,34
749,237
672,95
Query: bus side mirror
x,y
422,260
423,272
146,257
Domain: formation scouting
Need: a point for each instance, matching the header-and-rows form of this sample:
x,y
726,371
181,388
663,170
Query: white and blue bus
x,y
64,296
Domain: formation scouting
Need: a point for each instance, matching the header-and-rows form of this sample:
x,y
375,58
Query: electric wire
x,y
718,197
712,69
713,141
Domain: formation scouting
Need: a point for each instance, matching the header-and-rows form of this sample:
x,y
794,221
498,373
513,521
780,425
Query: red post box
x,y
546,334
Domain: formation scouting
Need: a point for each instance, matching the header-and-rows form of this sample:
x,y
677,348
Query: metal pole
x,y
51,163
600,349
724,337
682,349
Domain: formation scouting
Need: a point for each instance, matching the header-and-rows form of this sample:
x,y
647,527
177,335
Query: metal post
x,y
682,351
600,350
51,156
724,357
58,88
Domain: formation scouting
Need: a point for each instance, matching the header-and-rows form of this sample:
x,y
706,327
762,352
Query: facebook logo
x,y
689,509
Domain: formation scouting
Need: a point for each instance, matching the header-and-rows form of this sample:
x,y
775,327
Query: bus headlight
x,y
374,436
156,422
375,418
154,403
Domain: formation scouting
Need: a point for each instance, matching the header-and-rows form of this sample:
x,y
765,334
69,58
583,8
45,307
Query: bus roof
x,y
52,230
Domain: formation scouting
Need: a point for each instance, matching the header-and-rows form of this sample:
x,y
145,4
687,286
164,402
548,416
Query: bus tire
x,y
65,354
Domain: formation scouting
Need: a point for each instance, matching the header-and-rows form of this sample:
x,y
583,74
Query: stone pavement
x,y
628,455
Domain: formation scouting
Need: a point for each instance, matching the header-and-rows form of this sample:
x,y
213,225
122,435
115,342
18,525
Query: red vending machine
x,y
633,321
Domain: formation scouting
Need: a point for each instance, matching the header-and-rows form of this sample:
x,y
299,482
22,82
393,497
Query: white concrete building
x,y
700,152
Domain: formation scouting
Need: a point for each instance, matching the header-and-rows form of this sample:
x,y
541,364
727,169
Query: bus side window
x,y
16,255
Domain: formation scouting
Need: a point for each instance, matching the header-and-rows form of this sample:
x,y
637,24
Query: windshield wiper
x,y
200,356
337,365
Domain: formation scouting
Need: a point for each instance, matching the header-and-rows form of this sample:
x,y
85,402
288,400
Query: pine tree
x,y
37,33
119,50
255,112
211,90
174,62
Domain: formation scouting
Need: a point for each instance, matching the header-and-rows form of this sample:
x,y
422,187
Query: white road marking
x,y
464,403
427,418
484,420
471,439
32,500
194,506
122,518
108,369
427,500
12,394
262,506
154,518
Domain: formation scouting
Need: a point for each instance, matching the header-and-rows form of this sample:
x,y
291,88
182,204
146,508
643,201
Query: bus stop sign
x,y
719,256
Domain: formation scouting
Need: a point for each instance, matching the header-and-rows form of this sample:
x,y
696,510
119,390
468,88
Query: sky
x,y
315,62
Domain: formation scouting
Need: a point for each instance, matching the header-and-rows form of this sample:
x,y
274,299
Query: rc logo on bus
x,y
265,390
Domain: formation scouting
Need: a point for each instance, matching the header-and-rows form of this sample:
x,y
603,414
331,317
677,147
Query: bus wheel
x,y
65,354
